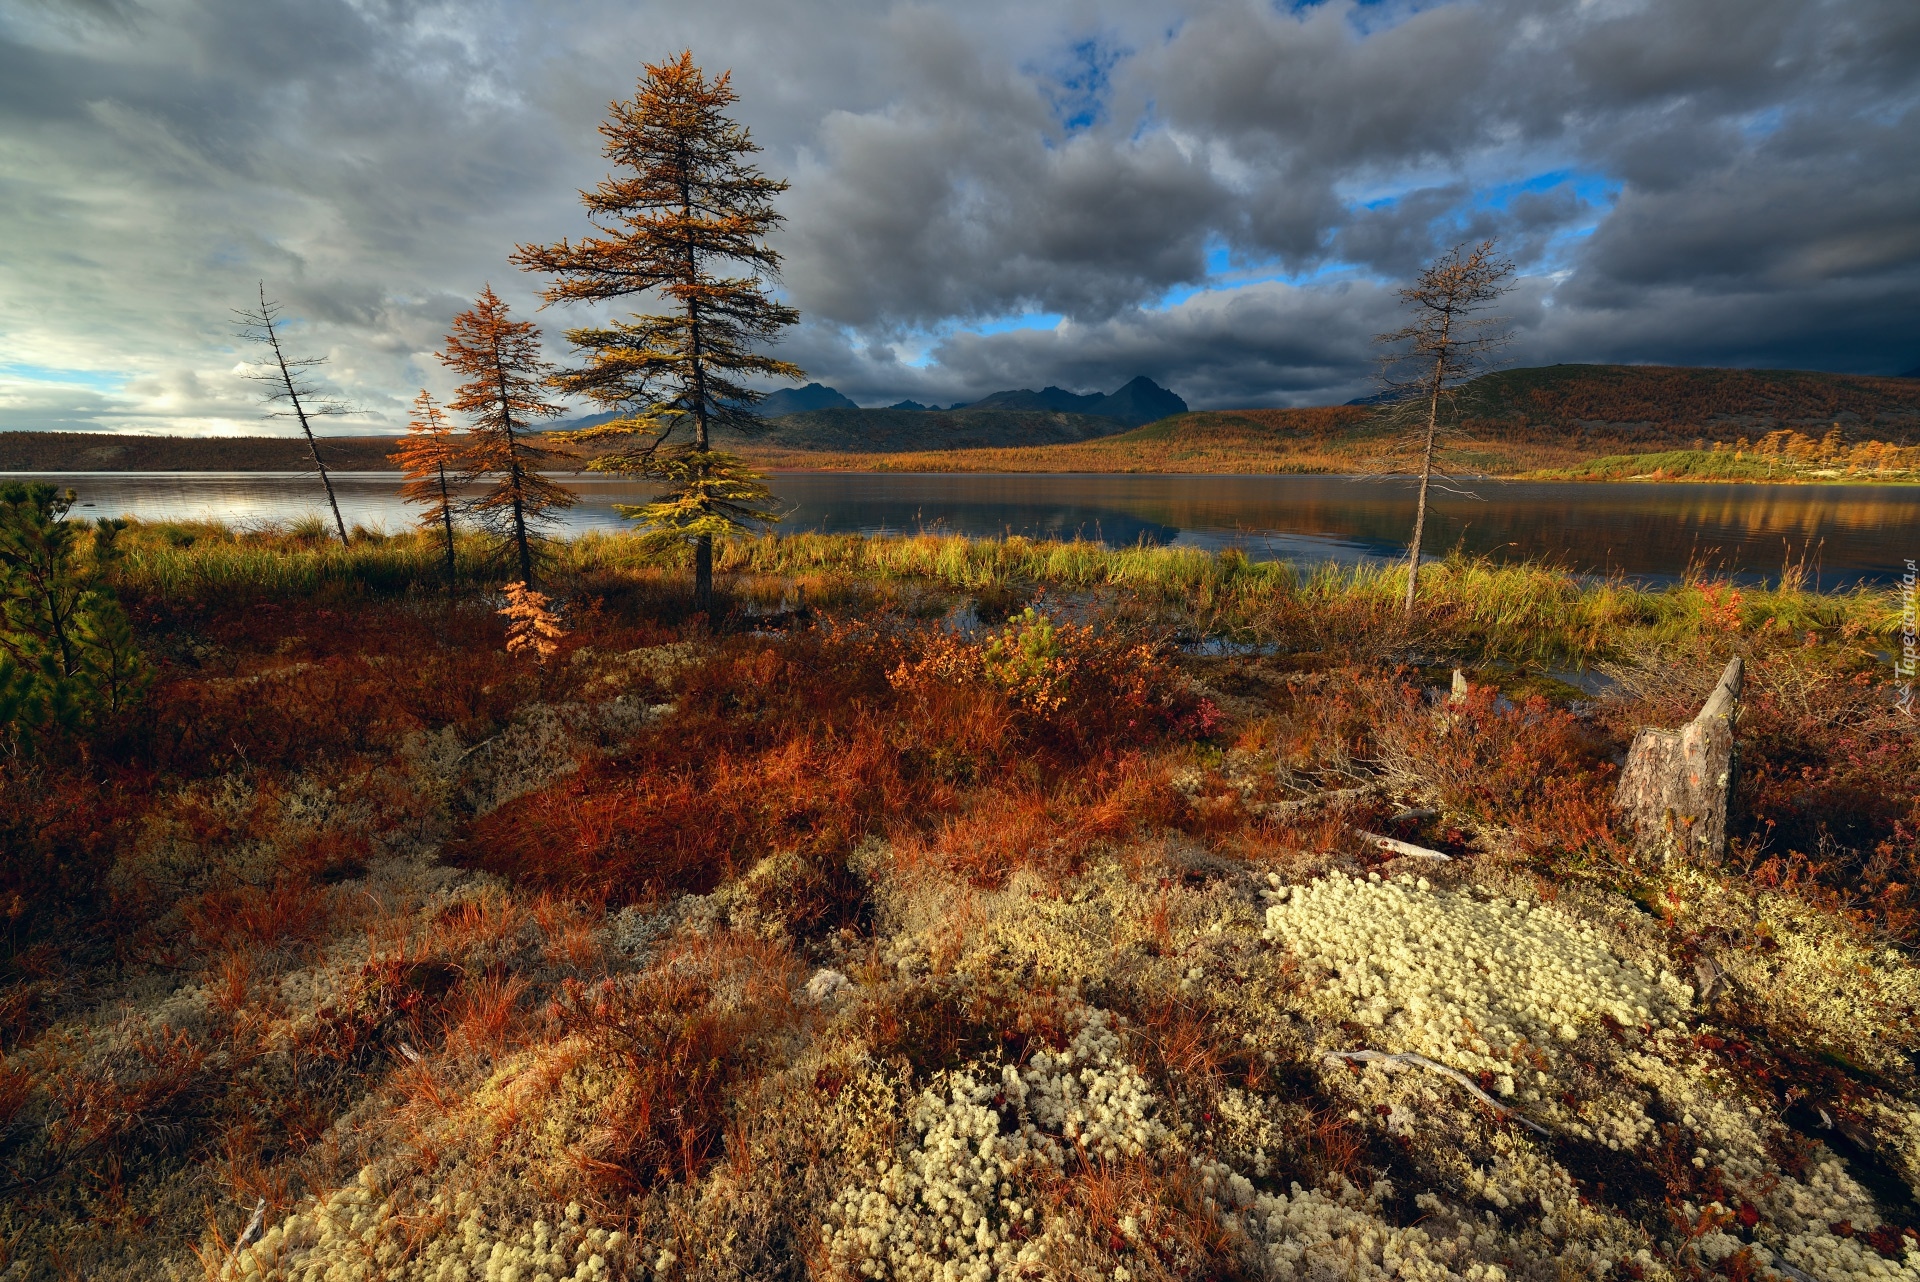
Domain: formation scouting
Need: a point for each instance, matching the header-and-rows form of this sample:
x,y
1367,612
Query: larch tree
x,y
503,396
685,219
1449,342
429,460
288,381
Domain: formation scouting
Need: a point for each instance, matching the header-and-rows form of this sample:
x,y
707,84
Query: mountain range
x,y
1139,402
798,400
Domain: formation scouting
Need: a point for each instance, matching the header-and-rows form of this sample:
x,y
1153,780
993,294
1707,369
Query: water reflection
x,y
1853,533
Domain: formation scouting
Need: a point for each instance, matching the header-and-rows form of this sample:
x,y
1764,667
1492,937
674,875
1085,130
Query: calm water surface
x,y
1851,533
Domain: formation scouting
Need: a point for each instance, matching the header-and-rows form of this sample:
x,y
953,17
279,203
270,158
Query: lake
x,y
1851,534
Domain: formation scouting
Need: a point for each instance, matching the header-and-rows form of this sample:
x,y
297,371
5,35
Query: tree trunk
x,y
702,543
520,538
1419,530
446,520
1677,785
325,480
515,475
1426,475
703,575
300,412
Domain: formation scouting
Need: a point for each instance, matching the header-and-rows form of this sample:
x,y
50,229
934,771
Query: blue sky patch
x,y
95,380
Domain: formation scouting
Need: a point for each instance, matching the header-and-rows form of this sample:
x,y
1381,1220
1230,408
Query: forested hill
x,y
107,452
891,431
1660,400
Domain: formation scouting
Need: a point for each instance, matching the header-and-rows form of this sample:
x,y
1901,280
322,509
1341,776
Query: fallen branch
x,y
1421,1061
1407,848
246,1234
1335,797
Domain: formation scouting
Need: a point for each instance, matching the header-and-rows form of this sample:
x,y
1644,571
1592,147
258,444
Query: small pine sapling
x,y
67,653
532,625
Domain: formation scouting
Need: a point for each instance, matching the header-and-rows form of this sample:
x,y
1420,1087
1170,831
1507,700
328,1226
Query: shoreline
x,y
785,469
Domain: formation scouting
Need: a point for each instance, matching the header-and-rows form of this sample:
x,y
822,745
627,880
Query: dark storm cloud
x,y
1698,180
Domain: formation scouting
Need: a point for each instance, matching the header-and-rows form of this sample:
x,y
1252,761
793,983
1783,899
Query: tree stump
x,y
1677,783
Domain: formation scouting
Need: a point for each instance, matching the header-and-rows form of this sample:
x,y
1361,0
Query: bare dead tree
x,y
1428,362
287,381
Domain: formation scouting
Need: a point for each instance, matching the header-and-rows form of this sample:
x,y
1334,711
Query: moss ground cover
x,y
950,909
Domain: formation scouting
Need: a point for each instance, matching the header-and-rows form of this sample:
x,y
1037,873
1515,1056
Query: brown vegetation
x,y
679,930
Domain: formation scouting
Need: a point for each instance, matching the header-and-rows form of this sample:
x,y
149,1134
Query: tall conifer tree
x,y
687,208
502,398
429,460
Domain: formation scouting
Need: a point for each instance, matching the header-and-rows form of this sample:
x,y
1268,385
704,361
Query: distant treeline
x,y
100,452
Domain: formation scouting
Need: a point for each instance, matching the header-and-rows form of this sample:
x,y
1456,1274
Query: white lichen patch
x,y
1481,985
1807,971
356,1234
954,1202
1340,1233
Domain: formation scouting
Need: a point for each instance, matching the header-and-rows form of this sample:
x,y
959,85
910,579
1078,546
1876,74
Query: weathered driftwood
x,y
1400,847
1413,1059
1677,783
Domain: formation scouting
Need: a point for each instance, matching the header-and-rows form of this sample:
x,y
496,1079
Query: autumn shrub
x,y
1136,1220
816,742
1531,768
950,1020
1047,826
1070,686
660,820
115,1094
68,658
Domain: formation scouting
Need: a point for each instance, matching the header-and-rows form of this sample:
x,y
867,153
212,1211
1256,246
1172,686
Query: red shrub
x,y
104,1104
658,822
1527,766
291,912
1005,828
680,1053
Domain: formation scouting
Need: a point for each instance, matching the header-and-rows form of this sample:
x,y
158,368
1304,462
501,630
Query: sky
x,y
985,194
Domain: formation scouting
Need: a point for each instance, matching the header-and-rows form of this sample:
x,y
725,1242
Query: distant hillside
x,y
1658,402
799,400
893,431
1299,440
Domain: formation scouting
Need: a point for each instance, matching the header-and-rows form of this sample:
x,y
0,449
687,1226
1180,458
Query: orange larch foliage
x,y
429,459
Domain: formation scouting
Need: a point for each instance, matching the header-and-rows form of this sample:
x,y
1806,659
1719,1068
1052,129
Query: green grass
x,y
1468,607
1716,465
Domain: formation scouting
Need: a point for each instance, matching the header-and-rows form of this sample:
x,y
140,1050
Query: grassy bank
x,y
1895,467
1467,606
